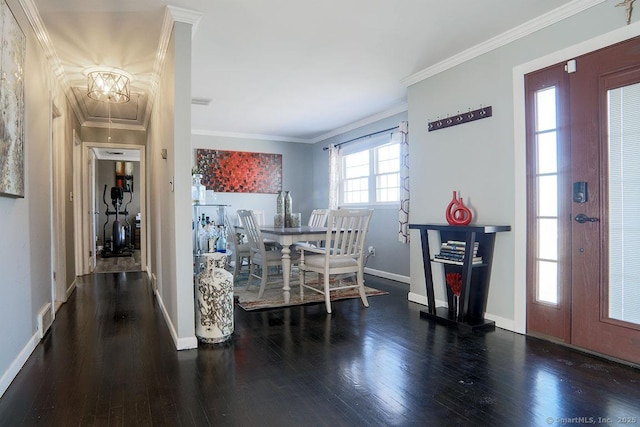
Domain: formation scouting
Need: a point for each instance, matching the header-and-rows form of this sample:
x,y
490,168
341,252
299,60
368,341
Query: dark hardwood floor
x,y
109,360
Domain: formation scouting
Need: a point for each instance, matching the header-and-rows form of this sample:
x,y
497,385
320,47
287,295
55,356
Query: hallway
x,y
109,360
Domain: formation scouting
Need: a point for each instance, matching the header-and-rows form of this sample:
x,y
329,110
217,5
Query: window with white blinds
x,y
624,203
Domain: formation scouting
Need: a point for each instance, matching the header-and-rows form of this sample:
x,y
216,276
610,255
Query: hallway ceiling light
x,y
111,85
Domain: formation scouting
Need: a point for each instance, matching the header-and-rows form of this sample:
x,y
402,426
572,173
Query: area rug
x,y
273,298
119,264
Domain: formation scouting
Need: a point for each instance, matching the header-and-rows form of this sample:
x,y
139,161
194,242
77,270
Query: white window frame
x,y
371,147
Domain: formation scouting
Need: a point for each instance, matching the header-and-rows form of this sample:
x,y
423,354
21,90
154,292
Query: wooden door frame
x,y
520,158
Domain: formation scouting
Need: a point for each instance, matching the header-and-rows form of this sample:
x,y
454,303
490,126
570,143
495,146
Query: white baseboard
x,y
417,298
184,343
387,275
187,343
501,322
18,363
153,279
70,289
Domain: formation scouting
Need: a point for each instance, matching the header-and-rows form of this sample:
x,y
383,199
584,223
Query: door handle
x,y
582,218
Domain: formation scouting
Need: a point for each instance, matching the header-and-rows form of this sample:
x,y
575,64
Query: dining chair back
x,y
259,215
260,256
318,218
342,254
239,248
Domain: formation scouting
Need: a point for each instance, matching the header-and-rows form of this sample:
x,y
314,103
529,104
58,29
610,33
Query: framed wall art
x,y
124,176
240,171
12,56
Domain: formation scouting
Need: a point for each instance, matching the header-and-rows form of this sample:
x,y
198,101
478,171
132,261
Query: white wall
x,y
482,153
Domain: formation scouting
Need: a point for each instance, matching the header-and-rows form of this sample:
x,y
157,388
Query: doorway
x,y
583,196
92,235
118,219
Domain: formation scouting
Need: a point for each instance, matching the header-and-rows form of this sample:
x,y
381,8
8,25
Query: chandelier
x,y
111,86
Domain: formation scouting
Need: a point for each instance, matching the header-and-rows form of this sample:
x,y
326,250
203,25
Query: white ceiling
x,y
291,69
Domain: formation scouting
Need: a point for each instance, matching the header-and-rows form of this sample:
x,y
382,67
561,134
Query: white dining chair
x,y
318,218
343,253
271,245
260,257
239,248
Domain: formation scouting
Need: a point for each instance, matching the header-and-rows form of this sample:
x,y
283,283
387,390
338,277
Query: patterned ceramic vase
x,y
280,203
214,300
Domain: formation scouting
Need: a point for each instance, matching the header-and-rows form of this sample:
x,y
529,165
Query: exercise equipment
x,y
120,243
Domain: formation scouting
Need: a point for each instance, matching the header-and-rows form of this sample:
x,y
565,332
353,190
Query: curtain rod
x,y
361,137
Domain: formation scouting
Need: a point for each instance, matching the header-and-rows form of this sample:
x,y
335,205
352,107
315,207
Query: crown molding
x,y
31,11
186,16
239,135
172,14
161,54
400,108
503,39
366,121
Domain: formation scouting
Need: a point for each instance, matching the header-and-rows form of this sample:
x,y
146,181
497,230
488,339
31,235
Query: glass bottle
x,y
212,237
221,244
198,191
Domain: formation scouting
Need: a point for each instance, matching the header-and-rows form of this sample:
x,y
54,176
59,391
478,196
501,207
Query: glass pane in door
x,y
624,203
546,184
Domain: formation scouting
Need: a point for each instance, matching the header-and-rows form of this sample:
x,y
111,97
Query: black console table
x,y
468,313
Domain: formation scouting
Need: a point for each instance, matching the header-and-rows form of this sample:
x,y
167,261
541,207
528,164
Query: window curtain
x,y
403,215
334,176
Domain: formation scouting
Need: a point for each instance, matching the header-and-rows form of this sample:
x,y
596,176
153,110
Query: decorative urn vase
x,y
214,300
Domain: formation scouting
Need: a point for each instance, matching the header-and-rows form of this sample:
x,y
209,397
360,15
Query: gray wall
x,y
483,152
26,246
296,175
392,257
169,191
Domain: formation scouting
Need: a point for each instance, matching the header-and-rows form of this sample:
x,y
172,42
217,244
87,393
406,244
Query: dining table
x,y
287,236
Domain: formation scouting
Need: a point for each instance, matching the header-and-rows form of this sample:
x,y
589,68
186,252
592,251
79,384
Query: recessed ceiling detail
x,y
129,113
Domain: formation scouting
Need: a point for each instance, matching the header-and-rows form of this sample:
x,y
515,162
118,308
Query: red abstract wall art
x,y
240,171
